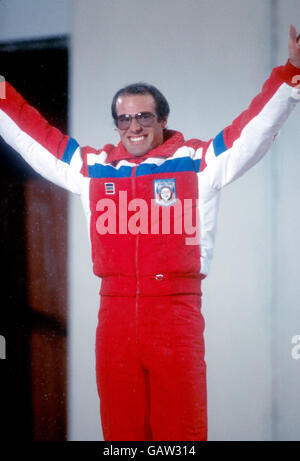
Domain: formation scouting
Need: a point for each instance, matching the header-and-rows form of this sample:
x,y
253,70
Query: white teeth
x,y
137,139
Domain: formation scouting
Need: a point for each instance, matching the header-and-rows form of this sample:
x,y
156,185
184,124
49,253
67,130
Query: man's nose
x,y
135,126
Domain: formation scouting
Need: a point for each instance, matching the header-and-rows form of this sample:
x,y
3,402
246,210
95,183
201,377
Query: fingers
x,y
294,39
294,47
293,33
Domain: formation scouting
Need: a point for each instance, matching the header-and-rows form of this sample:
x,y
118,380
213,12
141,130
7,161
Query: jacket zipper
x,y
137,292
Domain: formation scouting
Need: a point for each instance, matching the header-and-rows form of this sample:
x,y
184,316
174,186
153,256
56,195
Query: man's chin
x,y
137,152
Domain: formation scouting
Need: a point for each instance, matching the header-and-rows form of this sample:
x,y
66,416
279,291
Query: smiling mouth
x,y
137,139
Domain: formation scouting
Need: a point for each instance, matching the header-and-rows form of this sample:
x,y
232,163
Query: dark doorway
x,y
33,245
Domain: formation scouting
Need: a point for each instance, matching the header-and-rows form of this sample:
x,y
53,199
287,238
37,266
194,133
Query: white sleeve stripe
x,y
76,162
253,142
40,159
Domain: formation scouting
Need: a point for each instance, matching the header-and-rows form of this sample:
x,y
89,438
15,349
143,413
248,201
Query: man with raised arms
x,y
150,366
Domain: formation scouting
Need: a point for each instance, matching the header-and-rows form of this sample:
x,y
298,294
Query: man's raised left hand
x,y
294,47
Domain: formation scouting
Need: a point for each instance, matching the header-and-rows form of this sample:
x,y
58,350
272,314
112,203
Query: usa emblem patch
x,y
165,191
109,188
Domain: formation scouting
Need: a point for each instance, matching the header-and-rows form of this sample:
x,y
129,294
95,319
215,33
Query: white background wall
x,y
209,58
31,19
286,305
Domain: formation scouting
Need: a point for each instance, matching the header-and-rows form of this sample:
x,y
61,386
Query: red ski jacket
x,y
152,219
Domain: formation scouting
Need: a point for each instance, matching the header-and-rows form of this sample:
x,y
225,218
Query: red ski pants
x,y
151,373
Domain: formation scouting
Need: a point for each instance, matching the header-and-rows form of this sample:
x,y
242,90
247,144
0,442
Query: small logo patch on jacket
x,y
109,188
165,191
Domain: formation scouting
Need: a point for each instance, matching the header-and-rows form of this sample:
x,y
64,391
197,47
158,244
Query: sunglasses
x,y
146,119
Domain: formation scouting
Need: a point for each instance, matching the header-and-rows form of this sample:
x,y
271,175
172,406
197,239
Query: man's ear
x,y
164,122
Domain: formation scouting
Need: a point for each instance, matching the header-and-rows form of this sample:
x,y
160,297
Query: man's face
x,y
137,139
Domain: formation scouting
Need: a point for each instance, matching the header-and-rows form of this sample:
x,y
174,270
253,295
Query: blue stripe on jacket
x,y
169,166
219,145
69,150
108,171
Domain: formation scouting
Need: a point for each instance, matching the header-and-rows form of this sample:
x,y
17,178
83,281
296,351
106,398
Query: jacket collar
x,y
172,141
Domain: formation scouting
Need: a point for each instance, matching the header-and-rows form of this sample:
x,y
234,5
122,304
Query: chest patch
x,y
109,188
165,191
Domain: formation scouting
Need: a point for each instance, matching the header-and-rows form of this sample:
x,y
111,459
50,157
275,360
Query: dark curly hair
x,y
161,104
